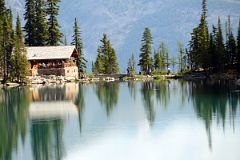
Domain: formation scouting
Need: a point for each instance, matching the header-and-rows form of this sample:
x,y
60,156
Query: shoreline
x,y
47,80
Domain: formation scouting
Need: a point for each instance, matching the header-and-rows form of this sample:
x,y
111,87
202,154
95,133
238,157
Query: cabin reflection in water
x,y
51,102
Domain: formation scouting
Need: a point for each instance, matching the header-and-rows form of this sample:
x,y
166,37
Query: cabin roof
x,y
50,52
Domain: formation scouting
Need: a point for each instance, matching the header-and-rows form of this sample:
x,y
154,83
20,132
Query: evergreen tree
x,y
181,56
7,44
131,66
30,26
238,45
220,48
2,7
212,49
40,24
203,38
145,61
163,53
99,66
230,44
113,62
77,41
106,61
19,59
2,17
65,41
199,43
193,51
157,61
53,27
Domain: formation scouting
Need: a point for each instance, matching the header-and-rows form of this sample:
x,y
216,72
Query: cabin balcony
x,y
54,65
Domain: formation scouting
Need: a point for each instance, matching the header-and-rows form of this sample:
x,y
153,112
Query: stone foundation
x,y
66,72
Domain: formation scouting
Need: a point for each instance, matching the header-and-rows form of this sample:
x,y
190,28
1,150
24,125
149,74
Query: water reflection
x,y
14,105
212,100
132,89
80,103
107,94
50,107
162,91
39,117
147,91
47,139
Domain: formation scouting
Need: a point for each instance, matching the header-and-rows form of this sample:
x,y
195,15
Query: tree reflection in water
x,y
132,89
80,103
107,94
162,92
47,132
14,105
212,100
46,137
147,91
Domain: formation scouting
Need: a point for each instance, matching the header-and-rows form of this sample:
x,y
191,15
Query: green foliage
x,y
30,25
41,26
208,51
7,43
159,72
146,60
106,62
218,55
182,57
131,66
238,44
53,27
161,60
19,62
230,44
99,64
77,41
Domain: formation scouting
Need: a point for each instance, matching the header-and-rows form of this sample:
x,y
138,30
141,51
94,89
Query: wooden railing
x,y
56,65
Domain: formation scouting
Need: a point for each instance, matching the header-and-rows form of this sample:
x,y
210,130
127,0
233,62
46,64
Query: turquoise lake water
x,y
172,120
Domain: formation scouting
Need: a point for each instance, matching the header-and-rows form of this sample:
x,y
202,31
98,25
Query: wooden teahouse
x,y
53,60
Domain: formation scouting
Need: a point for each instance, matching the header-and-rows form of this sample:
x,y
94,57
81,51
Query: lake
x,y
121,121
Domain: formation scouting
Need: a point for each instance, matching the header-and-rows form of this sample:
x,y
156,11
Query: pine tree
x,y
220,48
53,27
238,45
65,41
203,38
99,66
163,53
113,62
106,61
131,66
19,59
41,26
30,26
2,8
77,41
7,44
212,49
193,51
181,56
157,61
199,43
230,44
2,17
146,61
